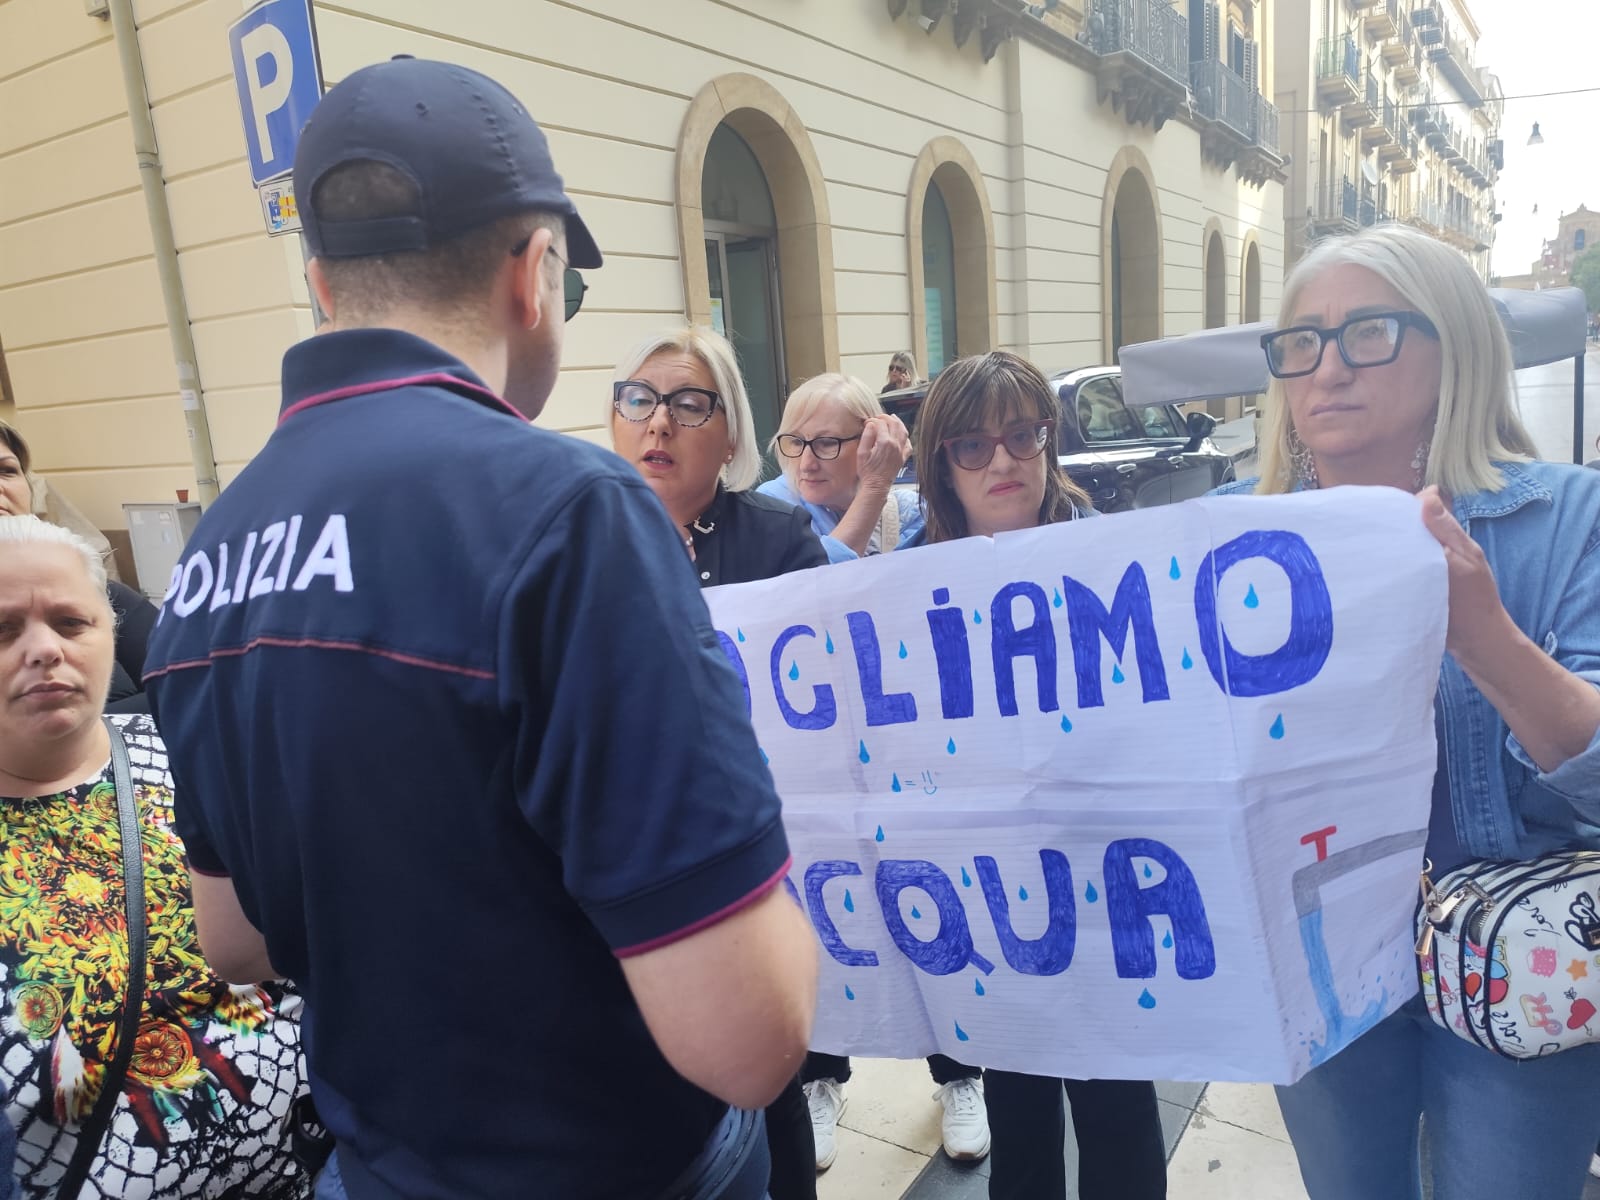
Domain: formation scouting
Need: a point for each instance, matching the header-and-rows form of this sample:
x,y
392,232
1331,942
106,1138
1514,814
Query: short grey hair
x,y
30,530
855,397
714,350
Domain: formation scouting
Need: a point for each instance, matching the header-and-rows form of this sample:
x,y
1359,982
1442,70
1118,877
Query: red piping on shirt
x,y
410,660
721,914
435,379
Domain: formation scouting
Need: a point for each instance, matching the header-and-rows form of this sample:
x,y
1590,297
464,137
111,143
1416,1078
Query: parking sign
x,y
276,74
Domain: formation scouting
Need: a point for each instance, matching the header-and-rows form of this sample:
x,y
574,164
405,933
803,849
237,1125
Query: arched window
x,y
939,281
1133,265
1578,239
950,256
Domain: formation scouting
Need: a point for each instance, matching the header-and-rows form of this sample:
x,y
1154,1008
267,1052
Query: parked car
x,y
1123,457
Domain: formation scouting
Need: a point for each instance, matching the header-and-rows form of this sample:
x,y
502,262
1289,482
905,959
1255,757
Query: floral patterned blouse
x,y
215,1067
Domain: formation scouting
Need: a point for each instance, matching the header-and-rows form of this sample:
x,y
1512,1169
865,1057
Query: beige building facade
x,y
1388,117
1576,232
828,181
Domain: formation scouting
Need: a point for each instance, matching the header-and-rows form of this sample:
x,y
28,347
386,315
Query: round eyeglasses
x,y
689,407
792,445
974,451
1368,340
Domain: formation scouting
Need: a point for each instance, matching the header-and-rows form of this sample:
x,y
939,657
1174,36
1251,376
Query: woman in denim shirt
x,y
1391,368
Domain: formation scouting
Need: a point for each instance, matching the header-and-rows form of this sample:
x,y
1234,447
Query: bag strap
x,y
93,1131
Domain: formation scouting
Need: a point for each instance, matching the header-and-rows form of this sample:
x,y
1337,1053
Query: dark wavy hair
x,y
997,387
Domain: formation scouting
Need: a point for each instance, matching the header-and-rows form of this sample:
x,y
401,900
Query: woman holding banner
x,y
1393,369
985,446
681,416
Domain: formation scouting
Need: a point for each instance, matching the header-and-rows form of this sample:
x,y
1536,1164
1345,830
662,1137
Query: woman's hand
x,y
1479,624
885,446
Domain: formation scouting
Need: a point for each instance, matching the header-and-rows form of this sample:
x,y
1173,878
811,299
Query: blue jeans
x,y
1496,1128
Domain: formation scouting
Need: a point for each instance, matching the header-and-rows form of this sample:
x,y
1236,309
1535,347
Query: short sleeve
x,y
636,762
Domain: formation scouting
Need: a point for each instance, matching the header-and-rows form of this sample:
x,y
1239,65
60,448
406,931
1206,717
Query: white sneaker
x,y
826,1100
966,1119
1594,1166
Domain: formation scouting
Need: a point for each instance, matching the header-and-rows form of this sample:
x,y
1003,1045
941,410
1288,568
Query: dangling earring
x,y
1303,465
1419,465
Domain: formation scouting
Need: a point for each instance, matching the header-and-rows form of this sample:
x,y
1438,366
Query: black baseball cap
x,y
466,142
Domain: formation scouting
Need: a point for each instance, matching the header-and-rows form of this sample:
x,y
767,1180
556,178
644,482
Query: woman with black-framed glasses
x,y
985,445
840,454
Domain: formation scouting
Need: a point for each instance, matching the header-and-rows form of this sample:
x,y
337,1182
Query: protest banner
x,y
1137,797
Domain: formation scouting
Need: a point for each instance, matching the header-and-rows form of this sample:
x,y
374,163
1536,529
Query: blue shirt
x,y
441,696
1540,532
825,520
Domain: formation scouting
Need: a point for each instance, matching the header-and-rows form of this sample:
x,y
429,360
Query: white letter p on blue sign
x,y
276,75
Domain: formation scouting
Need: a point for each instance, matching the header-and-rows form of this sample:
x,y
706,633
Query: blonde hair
x,y
1476,421
30,530
718,358
854,397
903,360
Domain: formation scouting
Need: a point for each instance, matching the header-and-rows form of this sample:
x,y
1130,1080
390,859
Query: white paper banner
x,y
1138,797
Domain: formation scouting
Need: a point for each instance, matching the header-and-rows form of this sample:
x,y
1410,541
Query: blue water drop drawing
x,y
1066,725
1022,893
862,753
764,757
828,644
878,837
977,986
1173,571
1116,674
1090,894
1147,871
902,649
916,913
1166,942
961,1034
1056,599
794,670
849,901
1277,727
1188,663
1146,1000
977,617
966,880
848,994
740,632
950,746
894,782
1251,600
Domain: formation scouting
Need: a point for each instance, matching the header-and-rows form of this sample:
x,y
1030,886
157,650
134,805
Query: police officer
x,y
449,722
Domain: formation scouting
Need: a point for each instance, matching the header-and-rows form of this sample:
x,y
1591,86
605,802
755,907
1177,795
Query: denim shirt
x,y
825,520
1541,535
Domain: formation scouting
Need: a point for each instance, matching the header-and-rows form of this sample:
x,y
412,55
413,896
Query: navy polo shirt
x,y
442,698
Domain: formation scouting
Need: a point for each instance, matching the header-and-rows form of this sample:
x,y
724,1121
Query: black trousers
x,y
1121,1152
793,1149
837,1066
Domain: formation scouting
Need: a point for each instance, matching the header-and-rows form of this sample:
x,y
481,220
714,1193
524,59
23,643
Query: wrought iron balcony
x,y
1382,20
1144,57
1453,57
1266,125
1221,94
1408,70
1338,71
1397,41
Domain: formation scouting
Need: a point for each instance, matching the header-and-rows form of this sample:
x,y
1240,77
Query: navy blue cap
x,y
466,142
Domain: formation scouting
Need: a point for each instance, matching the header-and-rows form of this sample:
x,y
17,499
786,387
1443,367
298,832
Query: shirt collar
x,y
1519,488
354,362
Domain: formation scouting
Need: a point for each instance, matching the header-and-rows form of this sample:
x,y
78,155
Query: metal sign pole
x,y
1577,407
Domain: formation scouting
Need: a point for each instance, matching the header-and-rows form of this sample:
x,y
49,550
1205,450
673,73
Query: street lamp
x,y
1536,138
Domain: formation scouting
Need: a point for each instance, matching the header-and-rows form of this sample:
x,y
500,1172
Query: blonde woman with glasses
x,y
1391,368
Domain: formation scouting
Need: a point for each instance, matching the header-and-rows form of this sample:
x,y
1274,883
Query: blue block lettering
x,y
951,949
1310,639
736,660
1130,908
952,656
1088,619
825,711
1051,952
1037,640
895,708
818,874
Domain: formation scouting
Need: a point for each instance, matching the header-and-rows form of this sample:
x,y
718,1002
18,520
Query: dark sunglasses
x,y
1371,340
974,451
572,285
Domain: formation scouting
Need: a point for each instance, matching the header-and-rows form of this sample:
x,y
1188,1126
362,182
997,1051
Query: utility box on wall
x,y
158,533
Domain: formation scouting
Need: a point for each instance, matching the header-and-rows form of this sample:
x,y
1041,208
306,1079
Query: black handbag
x,y
93,1131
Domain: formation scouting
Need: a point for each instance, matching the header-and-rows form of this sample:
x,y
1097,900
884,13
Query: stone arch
x,y
945,161
1250,279
758,113
1131,258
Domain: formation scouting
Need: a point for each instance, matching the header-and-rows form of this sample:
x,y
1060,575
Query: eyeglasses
x,y
689,407
792,445
572,285
974,451
1371,340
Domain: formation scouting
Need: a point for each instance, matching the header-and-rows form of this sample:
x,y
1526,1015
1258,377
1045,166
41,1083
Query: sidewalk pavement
x,y
1225,1141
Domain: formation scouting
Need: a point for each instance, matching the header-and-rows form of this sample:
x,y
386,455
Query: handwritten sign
x,y
1138,797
